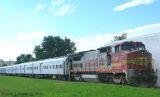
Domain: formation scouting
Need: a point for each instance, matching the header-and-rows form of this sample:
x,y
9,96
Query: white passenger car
x,y
54,67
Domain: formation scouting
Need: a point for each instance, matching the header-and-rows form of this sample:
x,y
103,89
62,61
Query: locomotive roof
x,y
79,53
119,43
44,60
52,59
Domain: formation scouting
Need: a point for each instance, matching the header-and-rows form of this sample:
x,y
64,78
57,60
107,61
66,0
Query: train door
x,y
109,59
71,65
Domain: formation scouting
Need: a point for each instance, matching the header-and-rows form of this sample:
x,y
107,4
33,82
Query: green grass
x,y
28,87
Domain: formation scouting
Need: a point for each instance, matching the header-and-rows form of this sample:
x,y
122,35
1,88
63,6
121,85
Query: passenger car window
x,y
56,66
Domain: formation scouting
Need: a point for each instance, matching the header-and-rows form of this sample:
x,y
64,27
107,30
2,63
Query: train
x,y
127,62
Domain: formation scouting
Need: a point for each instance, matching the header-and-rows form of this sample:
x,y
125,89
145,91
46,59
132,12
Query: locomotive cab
x,y
137,62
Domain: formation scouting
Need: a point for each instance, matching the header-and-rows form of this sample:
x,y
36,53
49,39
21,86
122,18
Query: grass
x,y
29,87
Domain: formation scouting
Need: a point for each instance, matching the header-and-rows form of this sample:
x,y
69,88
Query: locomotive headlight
x,y
142,53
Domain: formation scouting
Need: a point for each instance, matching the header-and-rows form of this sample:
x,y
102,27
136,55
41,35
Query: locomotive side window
x,y
117,48
113,49
105,49
77,58
102,50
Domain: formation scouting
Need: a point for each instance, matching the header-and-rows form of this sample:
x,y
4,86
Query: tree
x,y
54,47
39,52
121,37
24,58
69,46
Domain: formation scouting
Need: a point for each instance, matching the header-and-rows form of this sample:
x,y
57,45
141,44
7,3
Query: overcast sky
x,y
89,23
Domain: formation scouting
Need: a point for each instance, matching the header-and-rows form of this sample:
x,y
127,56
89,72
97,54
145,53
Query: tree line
x,y
54,47
49,48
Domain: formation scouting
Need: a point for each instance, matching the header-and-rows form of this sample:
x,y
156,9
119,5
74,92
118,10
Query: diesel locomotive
x,y
126,62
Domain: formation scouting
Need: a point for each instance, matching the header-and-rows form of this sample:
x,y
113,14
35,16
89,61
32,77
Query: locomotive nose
x,y
142,52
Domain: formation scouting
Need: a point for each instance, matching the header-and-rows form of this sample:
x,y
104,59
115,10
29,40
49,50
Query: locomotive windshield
x,y
128,47
133,47
140,47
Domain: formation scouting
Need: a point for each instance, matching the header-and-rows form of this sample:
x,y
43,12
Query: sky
x,y
89,23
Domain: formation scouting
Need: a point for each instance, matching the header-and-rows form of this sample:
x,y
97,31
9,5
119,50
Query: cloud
x,y
57,2
64,10
133,3
23,42
40,7
30,36
92,42
96,41
61,8
142,30
57,7
51,9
